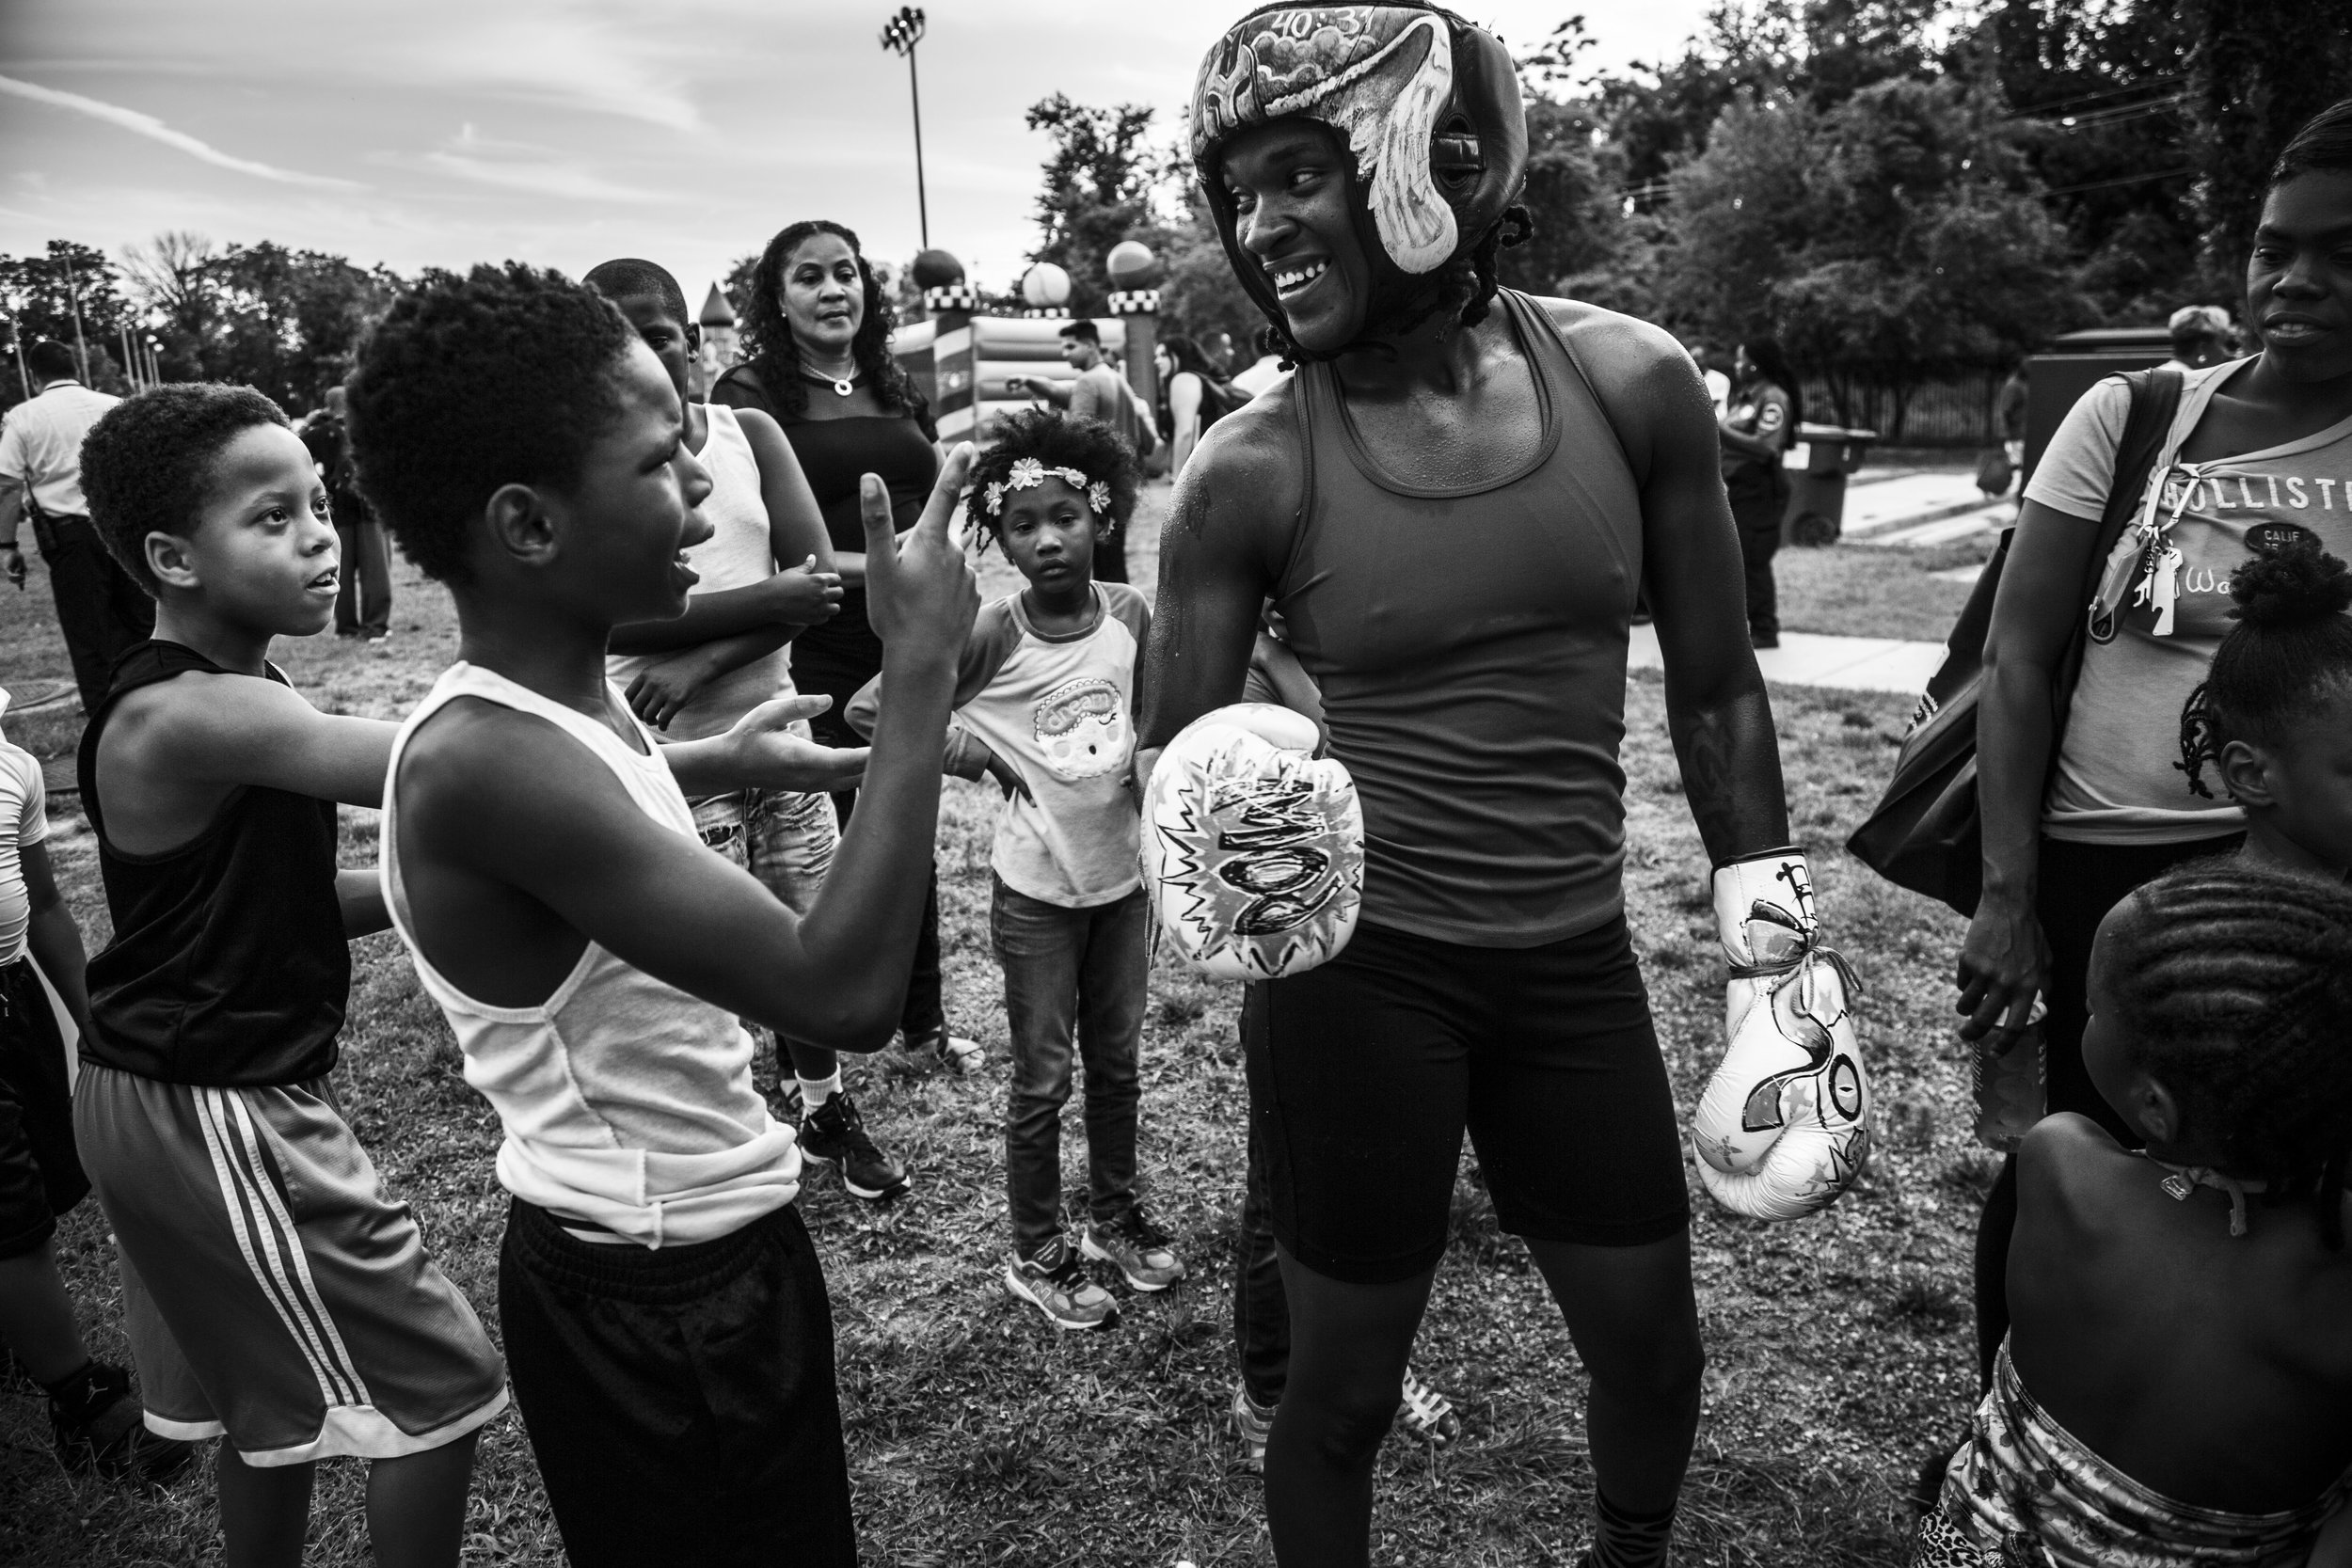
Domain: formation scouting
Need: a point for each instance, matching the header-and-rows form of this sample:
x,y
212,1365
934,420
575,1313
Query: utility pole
x,y
899,35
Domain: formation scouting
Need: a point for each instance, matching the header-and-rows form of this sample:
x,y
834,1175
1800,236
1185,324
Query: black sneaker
x,y
835,1133
97,1424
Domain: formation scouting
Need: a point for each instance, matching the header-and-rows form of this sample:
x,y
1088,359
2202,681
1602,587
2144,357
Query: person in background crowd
x,y
817,360
1261,372
2256,450
2201,337
1220,352
1758,425
765,575
1194,395
363,600
2009,412
99,610
1099,393
95,1420
1705,355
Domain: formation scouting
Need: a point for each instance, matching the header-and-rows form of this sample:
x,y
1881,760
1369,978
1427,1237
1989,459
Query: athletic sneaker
x,y
835,1133
1253,1423
1136,1248
1054,1282
1427,1414
959,1055
97,1424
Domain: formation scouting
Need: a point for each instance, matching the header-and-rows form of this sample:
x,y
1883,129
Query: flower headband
x,y
1028,473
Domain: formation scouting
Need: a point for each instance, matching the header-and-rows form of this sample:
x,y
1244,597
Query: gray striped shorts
x,y
273,1293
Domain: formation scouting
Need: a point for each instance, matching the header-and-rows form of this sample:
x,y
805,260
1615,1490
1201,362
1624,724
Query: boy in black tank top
x,y
1451,504
275,1296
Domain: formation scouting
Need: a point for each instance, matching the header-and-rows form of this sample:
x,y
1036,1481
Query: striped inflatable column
x,y
1139,311
952,308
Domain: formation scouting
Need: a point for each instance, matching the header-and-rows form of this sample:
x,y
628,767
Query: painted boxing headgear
x,y
1253,850
1428,105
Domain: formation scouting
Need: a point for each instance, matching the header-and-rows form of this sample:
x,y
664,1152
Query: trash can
x,y
1816,466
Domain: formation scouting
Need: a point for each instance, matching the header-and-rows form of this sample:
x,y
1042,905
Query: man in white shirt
x,y
99,610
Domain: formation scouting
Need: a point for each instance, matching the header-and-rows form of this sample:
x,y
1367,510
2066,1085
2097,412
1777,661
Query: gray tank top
x,y
1470,647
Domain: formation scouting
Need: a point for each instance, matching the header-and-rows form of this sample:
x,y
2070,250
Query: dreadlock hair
x,y
767,332
1054,440
2233,983
2284,664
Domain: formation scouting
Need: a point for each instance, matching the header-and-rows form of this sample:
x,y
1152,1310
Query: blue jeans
x,y
1069,972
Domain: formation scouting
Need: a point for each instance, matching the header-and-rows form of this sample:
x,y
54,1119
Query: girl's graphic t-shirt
x,y
1059,711
2164,602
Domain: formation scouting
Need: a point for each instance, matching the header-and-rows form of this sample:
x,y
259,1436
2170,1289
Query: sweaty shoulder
x,y
1644,379
1247,477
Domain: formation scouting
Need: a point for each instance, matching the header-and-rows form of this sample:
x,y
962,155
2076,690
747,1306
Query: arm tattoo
x,y
1731,775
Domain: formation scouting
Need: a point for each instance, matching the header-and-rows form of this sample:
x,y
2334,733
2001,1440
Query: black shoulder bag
x,y
1927,834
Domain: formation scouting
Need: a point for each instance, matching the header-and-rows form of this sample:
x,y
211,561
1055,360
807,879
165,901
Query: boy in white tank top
x,y
665,1321
767,572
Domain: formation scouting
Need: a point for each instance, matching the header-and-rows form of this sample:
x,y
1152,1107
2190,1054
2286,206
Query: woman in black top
x,y
1758,426
816,359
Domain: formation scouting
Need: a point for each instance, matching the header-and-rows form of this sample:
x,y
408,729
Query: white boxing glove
x,y
1784,1125
1253,851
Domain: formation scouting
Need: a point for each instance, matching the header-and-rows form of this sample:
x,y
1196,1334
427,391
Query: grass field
x,y
1840,1346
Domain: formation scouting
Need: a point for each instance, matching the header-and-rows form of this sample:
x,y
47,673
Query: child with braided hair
x,y
2176,1379
2274,719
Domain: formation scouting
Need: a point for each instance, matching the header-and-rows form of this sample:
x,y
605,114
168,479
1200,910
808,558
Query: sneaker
x,y
1056,1283
959,1055
97,1424
1253,1423
835,1133
1427,1414
1136,1248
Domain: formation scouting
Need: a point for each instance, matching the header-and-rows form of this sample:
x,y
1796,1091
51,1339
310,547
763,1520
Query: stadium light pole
x,y
899,35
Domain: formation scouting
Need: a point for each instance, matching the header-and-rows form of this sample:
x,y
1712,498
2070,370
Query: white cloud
x,y
148,126
547,52
527,167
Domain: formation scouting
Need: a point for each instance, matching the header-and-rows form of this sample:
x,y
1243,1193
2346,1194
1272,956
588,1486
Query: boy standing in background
x,y
765,571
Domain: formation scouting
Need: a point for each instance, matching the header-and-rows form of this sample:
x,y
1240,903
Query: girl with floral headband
x,y
1045,705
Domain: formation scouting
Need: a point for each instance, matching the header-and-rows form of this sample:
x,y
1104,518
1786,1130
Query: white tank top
x,y
626,1101
739,553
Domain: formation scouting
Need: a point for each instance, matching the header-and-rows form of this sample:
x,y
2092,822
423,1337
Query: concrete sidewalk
x,y
1916,509
1839,664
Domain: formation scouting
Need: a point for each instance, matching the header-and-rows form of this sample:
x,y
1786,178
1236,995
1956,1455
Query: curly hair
x,y
770,350
148,462
504,376
1054,440
2231,984
2285,662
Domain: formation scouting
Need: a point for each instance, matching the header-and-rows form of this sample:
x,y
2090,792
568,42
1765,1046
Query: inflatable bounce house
x,y
964,359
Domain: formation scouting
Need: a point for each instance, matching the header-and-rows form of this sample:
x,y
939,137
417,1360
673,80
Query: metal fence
x,y
1954,410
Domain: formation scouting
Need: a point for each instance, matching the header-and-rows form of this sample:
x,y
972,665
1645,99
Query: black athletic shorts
x,y
1364,1072
40,1173
681,1402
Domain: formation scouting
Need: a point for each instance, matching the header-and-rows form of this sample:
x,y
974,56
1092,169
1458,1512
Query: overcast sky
x,y
562,132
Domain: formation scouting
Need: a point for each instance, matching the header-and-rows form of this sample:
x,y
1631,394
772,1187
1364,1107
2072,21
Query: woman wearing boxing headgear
x,y
1451,504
